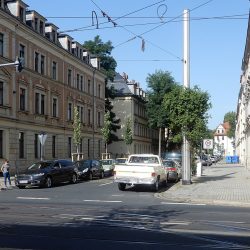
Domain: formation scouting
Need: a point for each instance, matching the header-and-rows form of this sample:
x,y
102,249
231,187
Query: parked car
x,y
46,174
140,169
89,169
174,170
206,161
108,166
121,160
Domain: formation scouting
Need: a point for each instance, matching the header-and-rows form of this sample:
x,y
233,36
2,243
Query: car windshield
x,y
39,165
121,160
107,162
84,164
168,163
143,159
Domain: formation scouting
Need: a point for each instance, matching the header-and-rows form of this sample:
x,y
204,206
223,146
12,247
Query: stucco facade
x,y
130,102
57,76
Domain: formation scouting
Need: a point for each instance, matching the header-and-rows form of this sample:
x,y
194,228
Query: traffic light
x,y
20,64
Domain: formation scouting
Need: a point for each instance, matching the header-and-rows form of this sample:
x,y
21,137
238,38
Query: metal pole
x,y
186,180
93,116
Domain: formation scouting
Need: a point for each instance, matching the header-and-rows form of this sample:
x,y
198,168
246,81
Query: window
x,y
36,61
22,99
81,114
54,107
69,111
22,51
54,146
89,86
41,27
88,147
89,116
69,146
21,145
1,44
77,81
54,70
99,91
53,35
42,64
99,119
81,83
69,46
36,146
1,143
21,14
81,145
1,93
39,103
69,76
36,24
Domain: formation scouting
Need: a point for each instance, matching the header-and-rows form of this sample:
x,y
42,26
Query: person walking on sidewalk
x,y
6,174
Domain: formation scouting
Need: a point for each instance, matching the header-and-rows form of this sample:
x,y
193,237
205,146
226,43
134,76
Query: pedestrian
x,y
6,174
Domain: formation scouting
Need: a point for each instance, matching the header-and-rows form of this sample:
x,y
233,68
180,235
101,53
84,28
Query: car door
x,y
66,170
56,172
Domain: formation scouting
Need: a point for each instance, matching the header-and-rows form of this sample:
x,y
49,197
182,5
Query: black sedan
x,y
89,169
46,174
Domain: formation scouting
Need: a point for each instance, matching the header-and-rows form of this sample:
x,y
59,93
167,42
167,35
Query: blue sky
x,y
217,40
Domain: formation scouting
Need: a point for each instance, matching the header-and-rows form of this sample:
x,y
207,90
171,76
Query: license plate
x,y
23,182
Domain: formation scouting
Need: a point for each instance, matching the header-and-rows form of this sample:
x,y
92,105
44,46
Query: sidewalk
x,y
2,186
221,184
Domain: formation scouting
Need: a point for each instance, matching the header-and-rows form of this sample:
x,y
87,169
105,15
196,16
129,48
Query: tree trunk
x,y
159,152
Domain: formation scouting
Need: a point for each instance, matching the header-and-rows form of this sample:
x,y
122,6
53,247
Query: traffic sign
x,y
208,144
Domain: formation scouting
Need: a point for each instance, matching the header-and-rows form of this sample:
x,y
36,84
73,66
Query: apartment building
x,y
130,103
59,74
242,132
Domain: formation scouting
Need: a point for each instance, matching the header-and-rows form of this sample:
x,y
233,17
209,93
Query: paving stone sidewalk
x,y
224,184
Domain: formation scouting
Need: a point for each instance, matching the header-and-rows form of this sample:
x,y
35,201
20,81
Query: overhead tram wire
x,y
116,18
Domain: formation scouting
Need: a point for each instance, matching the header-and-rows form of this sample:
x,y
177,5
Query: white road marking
x,y
183,203
117,195
104,184
102,201
176,223
32,198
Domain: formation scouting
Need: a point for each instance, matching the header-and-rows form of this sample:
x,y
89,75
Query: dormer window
x,y
69,46
21,13
36,24
41,28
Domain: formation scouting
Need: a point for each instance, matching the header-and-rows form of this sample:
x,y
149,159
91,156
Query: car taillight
x,y
171,169
153,174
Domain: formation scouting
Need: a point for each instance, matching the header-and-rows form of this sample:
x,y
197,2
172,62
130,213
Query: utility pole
x,y
186,179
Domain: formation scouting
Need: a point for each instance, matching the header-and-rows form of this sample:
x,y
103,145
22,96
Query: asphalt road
x,y
96,215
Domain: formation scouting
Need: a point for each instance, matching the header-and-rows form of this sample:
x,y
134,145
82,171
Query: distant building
x,y
222,143
130,102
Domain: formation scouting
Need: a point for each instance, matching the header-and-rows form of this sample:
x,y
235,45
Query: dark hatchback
x,y
89,169
46,174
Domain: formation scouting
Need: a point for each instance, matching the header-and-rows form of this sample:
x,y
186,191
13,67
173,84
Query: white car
x,y
146,169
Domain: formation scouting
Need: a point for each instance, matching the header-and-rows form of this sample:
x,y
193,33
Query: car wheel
x,y
21,187
48,182
177,178
90,176
156,186
102,175
74,179
121,186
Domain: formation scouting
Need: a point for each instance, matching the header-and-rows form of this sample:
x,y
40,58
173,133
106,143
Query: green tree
x,y
108,66
77,131
187,110
106,130
128,133
230,117
159,83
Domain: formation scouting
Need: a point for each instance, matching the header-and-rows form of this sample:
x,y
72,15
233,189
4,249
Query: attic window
x,y
21,13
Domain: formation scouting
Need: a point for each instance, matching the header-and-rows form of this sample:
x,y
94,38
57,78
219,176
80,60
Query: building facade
x,y
58,75
130,103
242,133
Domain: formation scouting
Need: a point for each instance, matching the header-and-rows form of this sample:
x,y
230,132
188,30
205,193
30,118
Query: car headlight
x,y
85,170
40,174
